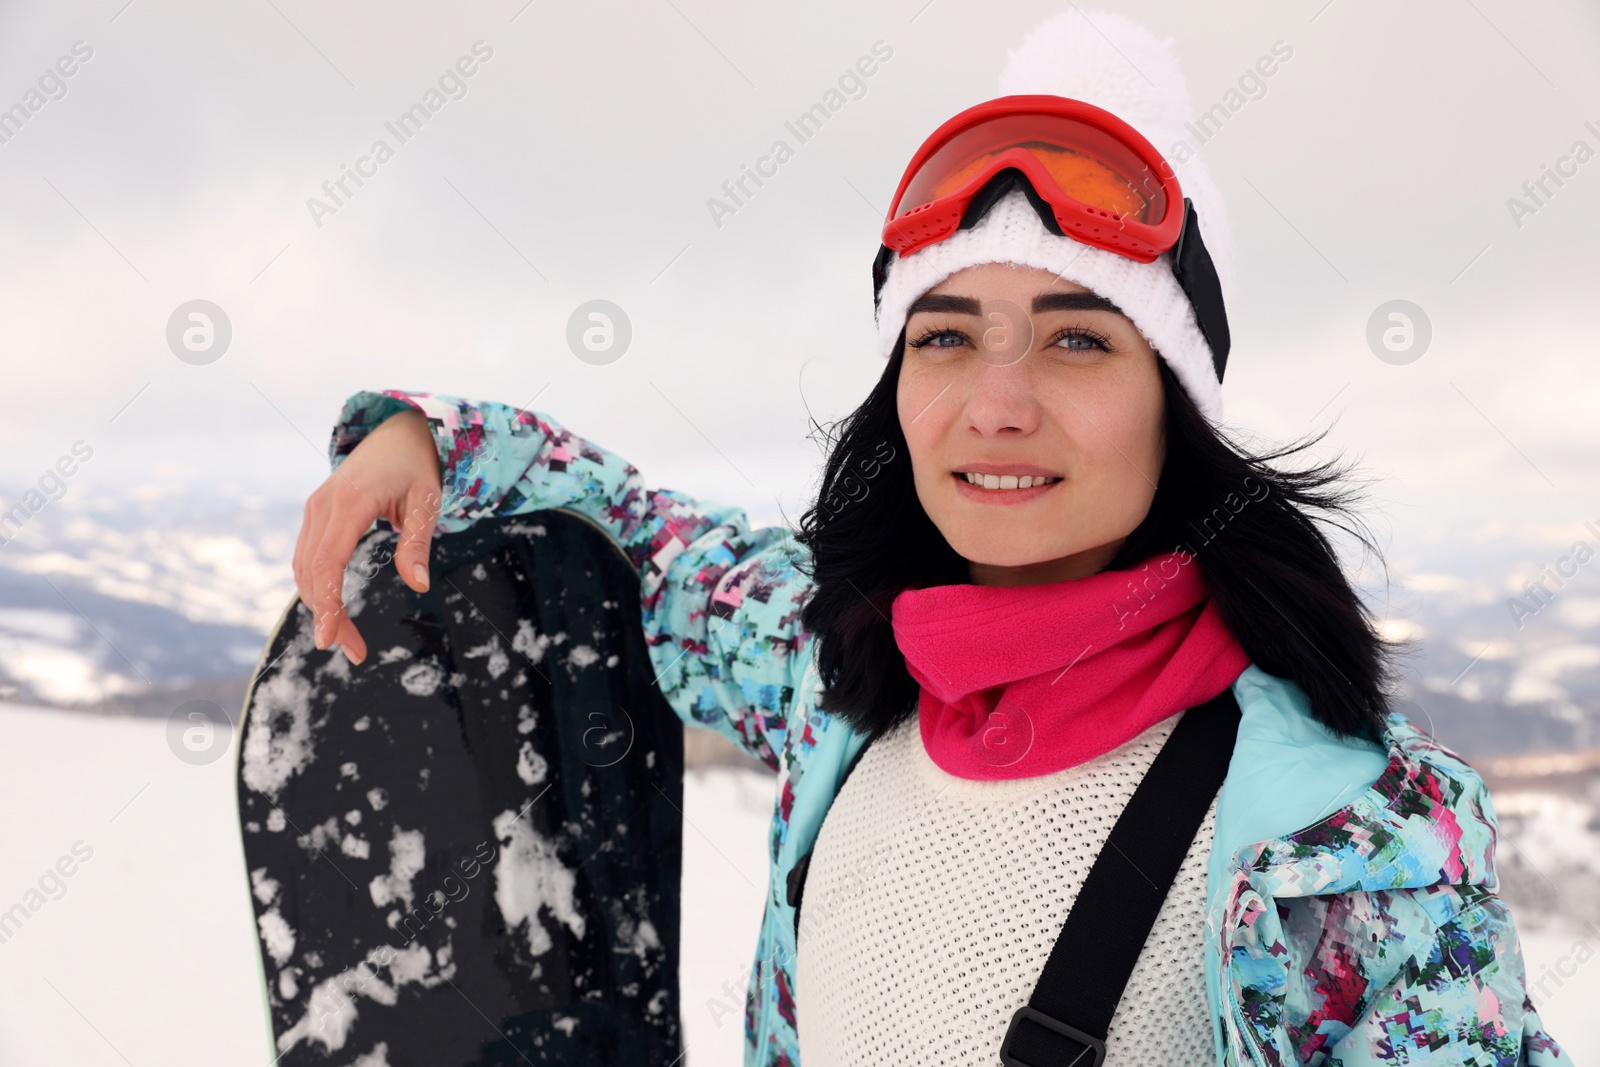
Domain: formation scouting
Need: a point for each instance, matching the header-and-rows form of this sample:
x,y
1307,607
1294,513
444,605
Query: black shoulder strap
x,y
1065,1022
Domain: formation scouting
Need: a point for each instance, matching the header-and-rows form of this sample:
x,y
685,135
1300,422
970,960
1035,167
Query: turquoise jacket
x,y
1353,917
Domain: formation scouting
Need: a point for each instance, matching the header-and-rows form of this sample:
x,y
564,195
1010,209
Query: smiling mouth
x,y
1003,482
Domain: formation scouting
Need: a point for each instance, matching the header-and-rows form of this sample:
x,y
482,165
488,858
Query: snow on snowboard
x,y
468,849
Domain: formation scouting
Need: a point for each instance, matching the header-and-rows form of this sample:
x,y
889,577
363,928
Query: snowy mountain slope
x,y
128,596
132,601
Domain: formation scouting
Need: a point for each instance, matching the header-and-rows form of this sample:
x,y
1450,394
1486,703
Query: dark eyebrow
x,y
1073,302
966,305
955,305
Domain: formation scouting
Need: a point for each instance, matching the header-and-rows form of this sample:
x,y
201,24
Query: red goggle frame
x,y
1104,183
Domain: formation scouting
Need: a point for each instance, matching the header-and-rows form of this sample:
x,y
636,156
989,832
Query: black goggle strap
x,y
1191,263
1197,277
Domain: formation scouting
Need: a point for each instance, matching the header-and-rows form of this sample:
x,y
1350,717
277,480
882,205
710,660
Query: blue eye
x,y
1081,340
940,339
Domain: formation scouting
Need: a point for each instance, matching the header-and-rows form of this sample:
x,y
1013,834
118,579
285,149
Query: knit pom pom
x,y
1107,60
1115,63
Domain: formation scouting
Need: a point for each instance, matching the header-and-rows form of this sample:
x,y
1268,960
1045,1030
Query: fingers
x,y
305,546
415,526
350,516
349,640
394,473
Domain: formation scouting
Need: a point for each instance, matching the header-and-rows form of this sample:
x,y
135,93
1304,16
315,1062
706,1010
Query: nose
x,y
1003,401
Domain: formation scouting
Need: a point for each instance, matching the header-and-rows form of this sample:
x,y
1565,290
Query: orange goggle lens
x,y
1088,165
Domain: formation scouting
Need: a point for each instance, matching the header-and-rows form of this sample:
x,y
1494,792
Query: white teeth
x,y
1007,481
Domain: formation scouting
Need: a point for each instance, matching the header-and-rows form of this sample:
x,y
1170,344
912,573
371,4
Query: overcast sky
x,y
576,161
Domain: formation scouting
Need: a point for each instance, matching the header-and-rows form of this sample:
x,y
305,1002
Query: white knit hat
x,y
1116,64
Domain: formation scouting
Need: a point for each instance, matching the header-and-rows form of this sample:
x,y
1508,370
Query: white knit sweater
x,y
932,903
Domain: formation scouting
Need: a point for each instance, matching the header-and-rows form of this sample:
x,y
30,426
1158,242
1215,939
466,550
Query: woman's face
x,y
1011,372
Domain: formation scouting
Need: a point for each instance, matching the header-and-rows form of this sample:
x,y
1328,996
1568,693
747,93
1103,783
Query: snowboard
x,y
468,849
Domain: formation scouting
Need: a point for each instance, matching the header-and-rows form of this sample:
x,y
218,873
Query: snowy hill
x,y
1495,669
107,597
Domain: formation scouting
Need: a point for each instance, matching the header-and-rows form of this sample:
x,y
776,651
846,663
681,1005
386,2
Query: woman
x,y
1031,560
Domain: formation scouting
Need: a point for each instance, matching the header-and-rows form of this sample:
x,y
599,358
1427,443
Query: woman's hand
x,y
393,474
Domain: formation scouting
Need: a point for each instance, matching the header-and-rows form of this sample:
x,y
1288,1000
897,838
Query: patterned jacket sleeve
x,y
721,602
1455,997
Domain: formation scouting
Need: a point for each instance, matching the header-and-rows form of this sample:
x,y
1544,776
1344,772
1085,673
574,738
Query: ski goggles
x,y
1089,175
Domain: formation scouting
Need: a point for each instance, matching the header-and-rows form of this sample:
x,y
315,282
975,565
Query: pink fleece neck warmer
x,y
1027,680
